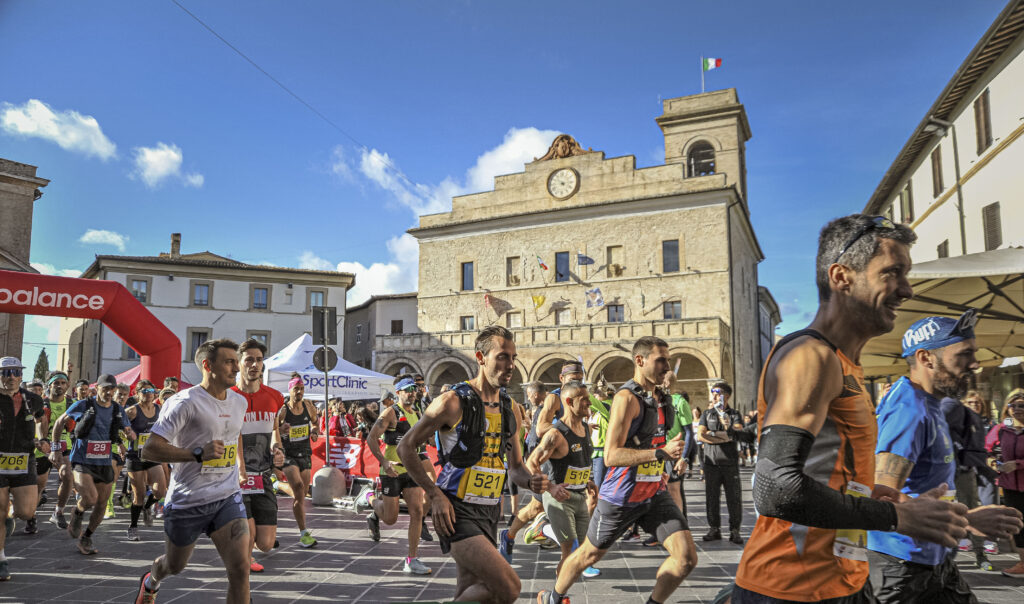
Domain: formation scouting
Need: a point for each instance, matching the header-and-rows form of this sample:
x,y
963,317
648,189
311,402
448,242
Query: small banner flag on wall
x,y
541,263
487,300
538,301
583,260
594,298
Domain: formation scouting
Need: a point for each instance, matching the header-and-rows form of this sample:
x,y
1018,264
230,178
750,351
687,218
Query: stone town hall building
x,y
674,255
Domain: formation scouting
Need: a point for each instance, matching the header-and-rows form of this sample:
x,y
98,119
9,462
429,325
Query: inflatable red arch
x,y
108,301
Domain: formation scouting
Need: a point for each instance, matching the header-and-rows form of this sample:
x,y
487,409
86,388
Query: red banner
x,y
352,456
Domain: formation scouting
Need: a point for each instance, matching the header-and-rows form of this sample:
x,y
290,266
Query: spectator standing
x,y
718,430
1009,435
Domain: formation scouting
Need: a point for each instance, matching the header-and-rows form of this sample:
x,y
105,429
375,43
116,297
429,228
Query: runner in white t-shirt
x,y
198,431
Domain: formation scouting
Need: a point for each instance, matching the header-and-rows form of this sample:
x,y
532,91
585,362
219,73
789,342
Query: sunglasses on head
x,y
876,223
11,372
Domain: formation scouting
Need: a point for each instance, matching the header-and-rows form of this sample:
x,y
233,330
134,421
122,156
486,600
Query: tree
x,y
42,366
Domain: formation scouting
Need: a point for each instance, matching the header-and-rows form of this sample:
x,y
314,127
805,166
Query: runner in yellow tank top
x,y
813,486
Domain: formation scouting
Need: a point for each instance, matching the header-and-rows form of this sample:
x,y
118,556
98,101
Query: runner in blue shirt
x,y
915,457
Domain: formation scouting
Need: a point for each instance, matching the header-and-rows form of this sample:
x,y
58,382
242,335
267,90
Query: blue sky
x,y
147,124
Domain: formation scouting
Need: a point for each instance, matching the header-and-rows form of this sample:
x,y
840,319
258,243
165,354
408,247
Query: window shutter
x,y
937,172
992,224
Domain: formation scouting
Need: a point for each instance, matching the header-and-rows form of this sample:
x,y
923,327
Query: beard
x,y
948,384
872,320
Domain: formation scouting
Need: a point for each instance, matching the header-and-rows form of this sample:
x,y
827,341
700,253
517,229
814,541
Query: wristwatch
x,y
711,432
198,454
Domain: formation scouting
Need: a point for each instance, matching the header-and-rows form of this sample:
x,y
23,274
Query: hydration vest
x,y
647,427
84,426
469,433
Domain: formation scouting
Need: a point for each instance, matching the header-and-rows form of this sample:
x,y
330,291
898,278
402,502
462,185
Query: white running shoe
x,y
413,566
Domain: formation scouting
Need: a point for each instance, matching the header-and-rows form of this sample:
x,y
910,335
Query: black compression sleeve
x,y
783,490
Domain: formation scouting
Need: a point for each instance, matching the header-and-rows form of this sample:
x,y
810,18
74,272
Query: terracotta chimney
x,y
175,245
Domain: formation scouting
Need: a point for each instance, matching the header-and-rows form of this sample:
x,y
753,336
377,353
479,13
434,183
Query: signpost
x,y
328,482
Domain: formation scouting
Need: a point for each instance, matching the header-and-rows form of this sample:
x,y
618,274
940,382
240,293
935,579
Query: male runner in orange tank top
x,y
813,485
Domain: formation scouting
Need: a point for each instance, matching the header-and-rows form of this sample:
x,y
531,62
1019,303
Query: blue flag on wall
x,y
594,298
583,259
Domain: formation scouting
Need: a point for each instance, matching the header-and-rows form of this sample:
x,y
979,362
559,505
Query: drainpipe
x,y
944,126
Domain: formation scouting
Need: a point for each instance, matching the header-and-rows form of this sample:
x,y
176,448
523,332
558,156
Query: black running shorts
x,y
659,517
471,520
100,474
393,486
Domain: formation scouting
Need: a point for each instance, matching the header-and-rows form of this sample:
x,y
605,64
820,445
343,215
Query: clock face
x,y
563,183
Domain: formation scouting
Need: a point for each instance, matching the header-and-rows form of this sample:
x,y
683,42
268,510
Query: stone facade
x,y
19,189
674,255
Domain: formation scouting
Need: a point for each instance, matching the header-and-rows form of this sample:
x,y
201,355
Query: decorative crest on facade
x,y
563,146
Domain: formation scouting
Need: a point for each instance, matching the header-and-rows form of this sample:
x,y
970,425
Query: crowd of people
x,y
856,502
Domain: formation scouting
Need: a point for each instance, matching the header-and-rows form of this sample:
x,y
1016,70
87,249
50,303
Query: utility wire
x,y
298,98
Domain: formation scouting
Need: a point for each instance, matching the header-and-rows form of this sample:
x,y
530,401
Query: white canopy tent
x,y
347,380
991,282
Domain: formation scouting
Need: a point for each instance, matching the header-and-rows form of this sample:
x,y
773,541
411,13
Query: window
x,y
937,187
943,249
196,337
561,266
670,256
359,333
396,327
467,323
514,319
127,353
992,224
317,297
616,313
983,122
200,294
889,212
512,264
263,337
907,203
467,276
614,260
140,289
673,310
700,161
563,316
260,295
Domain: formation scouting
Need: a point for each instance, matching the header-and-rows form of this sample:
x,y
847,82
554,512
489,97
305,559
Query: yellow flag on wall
x,y
538,301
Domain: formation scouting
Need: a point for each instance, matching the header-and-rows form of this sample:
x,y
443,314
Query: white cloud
x,y
399,275
100,237
154,165
50,330
69,129
519,147
340,165
49,269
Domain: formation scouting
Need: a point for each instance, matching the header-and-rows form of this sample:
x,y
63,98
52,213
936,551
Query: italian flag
x,y
710,63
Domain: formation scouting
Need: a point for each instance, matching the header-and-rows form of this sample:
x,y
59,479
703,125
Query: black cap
x,y
106,380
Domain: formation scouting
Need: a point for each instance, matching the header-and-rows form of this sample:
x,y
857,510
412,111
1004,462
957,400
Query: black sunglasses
x,y
878,222
11,372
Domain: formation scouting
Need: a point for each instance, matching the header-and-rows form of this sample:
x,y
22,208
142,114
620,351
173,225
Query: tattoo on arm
x,y
892,470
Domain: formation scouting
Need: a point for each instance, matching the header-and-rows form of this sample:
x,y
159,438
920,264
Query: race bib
x,y
852,543
253,485
142,440
483,485
577,478
650,471
222,464
13,463
63,447
298,432
97,449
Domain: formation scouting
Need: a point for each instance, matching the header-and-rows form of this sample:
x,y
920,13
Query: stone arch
x,y
695,373
702,137
547,368
515,385
615,364
447,370
401,365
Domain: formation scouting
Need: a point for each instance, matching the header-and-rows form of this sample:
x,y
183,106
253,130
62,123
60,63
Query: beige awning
x,y
992,282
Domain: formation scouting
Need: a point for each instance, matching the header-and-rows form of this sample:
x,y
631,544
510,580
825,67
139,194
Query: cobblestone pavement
x,y
347,567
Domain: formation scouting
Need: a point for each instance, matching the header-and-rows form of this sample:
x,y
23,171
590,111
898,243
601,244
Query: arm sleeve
x,y
690,441
782,489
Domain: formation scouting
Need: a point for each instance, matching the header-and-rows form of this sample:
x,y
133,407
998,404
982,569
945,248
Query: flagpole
x,y
702,74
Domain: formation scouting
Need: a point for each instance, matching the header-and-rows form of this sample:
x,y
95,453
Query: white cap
x,y
10,363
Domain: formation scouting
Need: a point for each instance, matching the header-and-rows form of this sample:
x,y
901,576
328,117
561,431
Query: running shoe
x,y
425,532
30,526
145,594
590,572
307,540
505,546
133,533
9,525
1016,571
542,598
125,500
85,546
58,519
42,498
75,526
983,562
255,567
5,574
111,512
965,545
159,509
535,532
413,566
373,522
991,548
631,537
651,541
147,516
